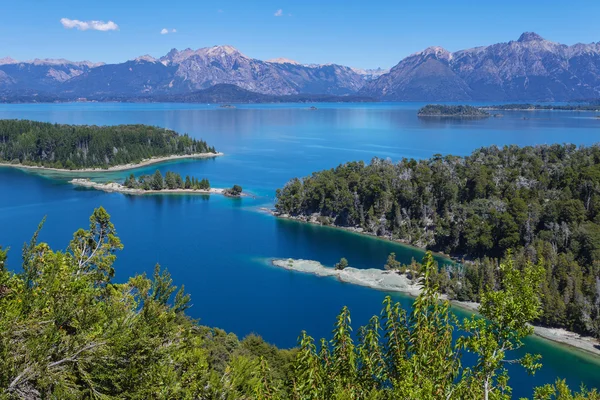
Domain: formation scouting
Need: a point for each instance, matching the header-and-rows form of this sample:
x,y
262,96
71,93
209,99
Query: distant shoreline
x,y
394,282
118,188
115,168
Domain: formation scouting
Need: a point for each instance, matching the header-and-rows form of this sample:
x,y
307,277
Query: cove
x,y
217,246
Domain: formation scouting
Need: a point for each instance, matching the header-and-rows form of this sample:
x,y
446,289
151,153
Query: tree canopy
x,y
542,201
89,146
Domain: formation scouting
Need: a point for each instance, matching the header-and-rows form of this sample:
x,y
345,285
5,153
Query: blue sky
x,y
358,33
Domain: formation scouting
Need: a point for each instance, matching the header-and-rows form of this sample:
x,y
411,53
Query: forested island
x,y
68,330
444,111
76,147
171,182
542,203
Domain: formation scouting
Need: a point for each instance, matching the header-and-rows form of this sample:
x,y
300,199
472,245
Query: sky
x,y
357,33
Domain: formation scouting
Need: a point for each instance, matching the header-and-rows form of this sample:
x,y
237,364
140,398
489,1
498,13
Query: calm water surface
x,y
219,247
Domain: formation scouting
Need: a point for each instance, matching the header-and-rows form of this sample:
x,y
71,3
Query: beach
x,y
124,167
392,281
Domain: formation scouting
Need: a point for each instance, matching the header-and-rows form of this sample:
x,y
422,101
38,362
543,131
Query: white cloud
x,y
173,30
164,31
279,13
89,25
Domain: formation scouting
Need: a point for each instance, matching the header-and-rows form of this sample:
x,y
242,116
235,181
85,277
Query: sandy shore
x,y
124,167
373,278
117,187
391,281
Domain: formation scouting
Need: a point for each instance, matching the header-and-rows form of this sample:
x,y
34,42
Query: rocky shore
x,y
394,282
117,187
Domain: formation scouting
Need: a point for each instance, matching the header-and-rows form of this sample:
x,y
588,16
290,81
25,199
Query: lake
x,y
220,248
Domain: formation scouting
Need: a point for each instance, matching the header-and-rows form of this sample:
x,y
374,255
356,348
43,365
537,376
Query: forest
x,y
437,111
171,181
542,202
72,147
68,330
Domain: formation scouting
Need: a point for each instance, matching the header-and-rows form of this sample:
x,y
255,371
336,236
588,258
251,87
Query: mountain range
x,y
530,68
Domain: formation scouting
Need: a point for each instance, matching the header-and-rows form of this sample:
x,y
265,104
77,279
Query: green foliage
x,y
392,264
171,181
543,202
234,191
437,110
157,181
342,264
560,391
67,331
89,146
507,314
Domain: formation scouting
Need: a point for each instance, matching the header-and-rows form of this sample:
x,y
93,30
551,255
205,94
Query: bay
x,y
220,248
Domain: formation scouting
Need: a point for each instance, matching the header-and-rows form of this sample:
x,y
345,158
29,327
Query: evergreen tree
x,y
157,181
342,264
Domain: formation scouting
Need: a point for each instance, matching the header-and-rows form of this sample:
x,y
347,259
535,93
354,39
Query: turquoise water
x,y
220,247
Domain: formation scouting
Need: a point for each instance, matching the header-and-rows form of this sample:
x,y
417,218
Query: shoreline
x,y
400,283
114,187
361,232
115,168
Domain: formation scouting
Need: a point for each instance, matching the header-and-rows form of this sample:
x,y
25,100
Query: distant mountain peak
x,y
222,50
147,58
50,61
530,37
436,51
7,60
282,60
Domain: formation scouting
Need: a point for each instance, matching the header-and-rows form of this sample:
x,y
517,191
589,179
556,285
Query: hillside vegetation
x,y
69,331
89,146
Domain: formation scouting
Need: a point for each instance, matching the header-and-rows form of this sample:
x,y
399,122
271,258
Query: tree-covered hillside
x,y
69,331
89,146
543,201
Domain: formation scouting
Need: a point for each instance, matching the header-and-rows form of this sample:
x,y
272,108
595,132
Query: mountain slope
x,y
38,75
177,72
530,68
207,67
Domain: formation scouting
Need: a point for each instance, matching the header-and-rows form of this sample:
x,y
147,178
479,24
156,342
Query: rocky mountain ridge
x,y
530,68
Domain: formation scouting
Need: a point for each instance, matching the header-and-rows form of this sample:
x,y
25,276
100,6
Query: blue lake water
x,y
219,247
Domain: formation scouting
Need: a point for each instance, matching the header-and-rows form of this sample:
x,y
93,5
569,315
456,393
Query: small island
x,y
32,144
227,106
170,183
445,111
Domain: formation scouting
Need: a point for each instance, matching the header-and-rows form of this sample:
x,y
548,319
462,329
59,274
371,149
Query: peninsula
x,y
31,144
531,205
396,281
